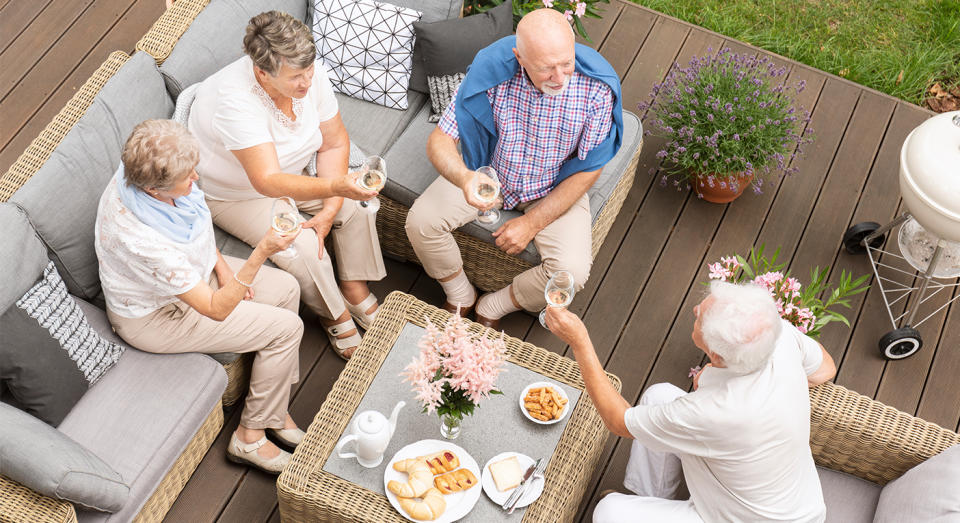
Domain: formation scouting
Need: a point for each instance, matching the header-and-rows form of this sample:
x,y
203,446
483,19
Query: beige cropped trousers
x,y
354,239
565,244
268,326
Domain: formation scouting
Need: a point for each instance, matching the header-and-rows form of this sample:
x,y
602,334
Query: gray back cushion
x,y
61,198
928,492
410,173
20,248
215,39
374,128
45,460
849,499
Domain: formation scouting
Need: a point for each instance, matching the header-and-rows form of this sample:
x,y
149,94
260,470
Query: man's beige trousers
x,y
268,325
354,239
565,244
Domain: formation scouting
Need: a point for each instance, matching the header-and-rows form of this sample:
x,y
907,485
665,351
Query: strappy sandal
x,y
340,345
359,311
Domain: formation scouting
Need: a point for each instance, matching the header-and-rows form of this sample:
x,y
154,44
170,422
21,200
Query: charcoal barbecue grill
x,y
929,236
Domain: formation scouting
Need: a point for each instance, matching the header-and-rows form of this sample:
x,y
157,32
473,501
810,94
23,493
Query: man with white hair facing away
x,y
544,112
740,440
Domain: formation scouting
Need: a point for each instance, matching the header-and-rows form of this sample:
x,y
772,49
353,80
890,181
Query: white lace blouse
x,y
231,111
141,270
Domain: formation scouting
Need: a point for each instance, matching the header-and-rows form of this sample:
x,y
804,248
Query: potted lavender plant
x,y
728,121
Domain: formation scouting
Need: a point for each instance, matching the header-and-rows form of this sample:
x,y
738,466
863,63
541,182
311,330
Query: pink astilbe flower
x,y
581,9
569,14
548,4
454,358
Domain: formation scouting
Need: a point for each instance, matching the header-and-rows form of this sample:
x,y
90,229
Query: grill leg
x,y
927,274
883,230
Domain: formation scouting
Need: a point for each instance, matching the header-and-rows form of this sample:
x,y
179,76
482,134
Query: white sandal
x,y
340,345
359,311
246,454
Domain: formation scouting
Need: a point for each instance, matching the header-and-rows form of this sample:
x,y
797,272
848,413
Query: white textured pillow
x,y
368,48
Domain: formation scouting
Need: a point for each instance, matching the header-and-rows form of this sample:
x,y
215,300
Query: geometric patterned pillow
x,y
367,47
49,354
442,89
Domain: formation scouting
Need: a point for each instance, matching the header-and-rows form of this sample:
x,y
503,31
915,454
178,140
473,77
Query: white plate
x,y
458,503
554,386
490,488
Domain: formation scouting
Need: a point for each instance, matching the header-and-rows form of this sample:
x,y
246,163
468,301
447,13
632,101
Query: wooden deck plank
x,y
123,35
620,47
940,402
34,42
653,61
17,17
43,79
598,28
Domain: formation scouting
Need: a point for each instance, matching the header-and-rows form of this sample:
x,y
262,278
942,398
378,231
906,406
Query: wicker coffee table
x,y
308,493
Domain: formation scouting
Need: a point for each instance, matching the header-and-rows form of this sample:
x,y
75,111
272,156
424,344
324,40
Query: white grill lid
x,y
930,175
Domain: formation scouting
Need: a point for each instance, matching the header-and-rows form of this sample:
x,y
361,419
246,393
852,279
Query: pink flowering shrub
x,y
455,369
574,10
804,308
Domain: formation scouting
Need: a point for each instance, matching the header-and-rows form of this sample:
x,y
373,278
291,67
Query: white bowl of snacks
x,y
544,403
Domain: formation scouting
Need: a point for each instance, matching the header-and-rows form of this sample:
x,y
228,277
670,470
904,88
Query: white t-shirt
x,y
744,440
232,111
141,269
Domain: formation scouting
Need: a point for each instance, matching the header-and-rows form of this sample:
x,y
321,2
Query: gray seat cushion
x,y
215,39
849,499
410,173
81,166
929,491
140,417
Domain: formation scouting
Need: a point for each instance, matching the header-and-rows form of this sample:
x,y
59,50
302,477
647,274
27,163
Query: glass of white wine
x,y
559,293
372,177
486,188
285,219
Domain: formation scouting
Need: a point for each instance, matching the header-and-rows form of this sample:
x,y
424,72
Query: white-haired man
x,y
740,440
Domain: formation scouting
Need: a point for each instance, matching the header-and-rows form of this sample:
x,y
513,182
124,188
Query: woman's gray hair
x,y
741,325
158,154
274,38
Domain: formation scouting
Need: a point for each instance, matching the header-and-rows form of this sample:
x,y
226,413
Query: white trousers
x,y
653,476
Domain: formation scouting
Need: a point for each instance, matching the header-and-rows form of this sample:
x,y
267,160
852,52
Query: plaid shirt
x,y
537,133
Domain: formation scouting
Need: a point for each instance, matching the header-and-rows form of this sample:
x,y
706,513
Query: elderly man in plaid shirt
x,y
545,113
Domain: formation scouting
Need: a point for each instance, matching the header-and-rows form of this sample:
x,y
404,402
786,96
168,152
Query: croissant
x,y
441,462
430,508
418,482
455,481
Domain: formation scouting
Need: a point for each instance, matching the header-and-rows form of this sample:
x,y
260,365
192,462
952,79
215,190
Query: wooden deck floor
x,y
646,277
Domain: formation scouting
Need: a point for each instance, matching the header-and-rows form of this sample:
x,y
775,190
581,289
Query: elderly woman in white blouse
x,y
259,121
168,288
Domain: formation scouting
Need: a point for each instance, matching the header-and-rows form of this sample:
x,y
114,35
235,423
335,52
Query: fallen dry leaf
x,y
900,77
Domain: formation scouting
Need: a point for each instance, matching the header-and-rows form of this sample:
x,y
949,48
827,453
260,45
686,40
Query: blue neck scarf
x,y
181,223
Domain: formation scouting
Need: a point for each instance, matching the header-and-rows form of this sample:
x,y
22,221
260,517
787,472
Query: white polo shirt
x,y
744,440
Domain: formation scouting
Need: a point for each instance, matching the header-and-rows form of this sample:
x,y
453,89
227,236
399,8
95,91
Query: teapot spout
x,y
393,416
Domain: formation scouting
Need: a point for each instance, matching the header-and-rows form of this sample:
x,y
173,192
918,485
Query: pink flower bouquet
x,y
456,369
802,307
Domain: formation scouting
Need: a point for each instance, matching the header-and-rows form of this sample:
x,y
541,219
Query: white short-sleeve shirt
x,y
744,440
142,270
231,111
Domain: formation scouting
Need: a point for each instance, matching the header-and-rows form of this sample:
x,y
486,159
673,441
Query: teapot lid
x,y
370,422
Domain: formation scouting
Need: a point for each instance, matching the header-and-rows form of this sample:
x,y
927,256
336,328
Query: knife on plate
x,y
518,492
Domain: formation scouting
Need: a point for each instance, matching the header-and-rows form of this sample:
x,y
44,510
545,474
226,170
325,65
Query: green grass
x,y
900,47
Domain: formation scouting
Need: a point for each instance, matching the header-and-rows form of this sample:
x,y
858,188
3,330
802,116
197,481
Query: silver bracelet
x,y
247,285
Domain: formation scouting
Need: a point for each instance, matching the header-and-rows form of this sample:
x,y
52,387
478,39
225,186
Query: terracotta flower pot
x,y
716,189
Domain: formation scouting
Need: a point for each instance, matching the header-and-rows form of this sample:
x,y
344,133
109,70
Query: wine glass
x,y
373,176
285,219
559,293
486,188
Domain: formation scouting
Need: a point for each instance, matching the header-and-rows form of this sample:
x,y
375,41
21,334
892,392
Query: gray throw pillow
x,y
49,353
45,460
449,46
442,89
927,492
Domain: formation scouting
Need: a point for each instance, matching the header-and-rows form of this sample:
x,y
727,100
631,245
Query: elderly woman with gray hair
x,y
259,121
740,440
168,288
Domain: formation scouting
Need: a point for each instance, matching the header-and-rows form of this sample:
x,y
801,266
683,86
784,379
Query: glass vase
x,y
450,426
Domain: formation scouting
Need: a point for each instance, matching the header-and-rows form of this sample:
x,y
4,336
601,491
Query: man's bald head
x,y
546,49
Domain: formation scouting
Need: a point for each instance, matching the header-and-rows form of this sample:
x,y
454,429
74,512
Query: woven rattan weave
x,y
307,493
238,378
167,30
42,146
488,267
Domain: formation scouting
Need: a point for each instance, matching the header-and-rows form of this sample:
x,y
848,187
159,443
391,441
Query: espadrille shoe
x,y
289,437
246,454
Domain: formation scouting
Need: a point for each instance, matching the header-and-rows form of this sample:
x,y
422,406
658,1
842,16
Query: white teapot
x,y
370,432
